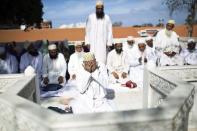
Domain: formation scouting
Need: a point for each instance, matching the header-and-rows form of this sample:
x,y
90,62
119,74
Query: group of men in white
x,y
94,70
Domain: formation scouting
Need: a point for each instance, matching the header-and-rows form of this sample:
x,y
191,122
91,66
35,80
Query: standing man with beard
x,y
167,45
116,64
76,60
54,69
99,32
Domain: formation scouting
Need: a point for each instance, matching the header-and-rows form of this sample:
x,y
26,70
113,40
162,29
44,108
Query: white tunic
x,y
99,35
116,63
162,40
34,61
75,63
164,43
190,57
9,65
53,68
92,87
136,68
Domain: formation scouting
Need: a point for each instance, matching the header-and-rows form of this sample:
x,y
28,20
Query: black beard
x,y
118,51
3,56
34,53
53,57
100,15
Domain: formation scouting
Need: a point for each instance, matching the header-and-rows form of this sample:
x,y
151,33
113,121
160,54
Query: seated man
x,y
92,82
76,60
140,57
190,54
32,58
54,69
8,62
129,45
116,64
171,56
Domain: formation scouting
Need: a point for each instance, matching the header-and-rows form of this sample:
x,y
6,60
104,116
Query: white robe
x,y
99,35
92,93
75,63
34,61
176,60
117,63
189,57
9,65
162,40
53,68
164,43
136,70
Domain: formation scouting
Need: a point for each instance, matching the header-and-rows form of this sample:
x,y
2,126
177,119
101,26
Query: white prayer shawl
x,y
99,35
92,87
33,61
189,57
75,63
136,69
9,65
117,63
53,68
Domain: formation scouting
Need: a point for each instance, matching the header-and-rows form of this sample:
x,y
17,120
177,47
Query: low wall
x,y
19,113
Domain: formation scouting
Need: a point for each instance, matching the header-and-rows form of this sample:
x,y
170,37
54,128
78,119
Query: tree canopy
x,y
189,5
16,12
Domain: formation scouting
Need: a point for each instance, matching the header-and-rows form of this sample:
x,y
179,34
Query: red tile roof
x,y
76,34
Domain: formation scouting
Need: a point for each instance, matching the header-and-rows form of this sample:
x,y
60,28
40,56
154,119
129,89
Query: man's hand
x,y
124,75
145,60
60,79
115,75
73,77
140,60
88,68
170,54
46,80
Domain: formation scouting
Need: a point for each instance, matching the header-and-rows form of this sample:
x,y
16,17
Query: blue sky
x,y
129,12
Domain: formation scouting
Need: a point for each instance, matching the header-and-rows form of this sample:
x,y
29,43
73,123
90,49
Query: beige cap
x,y
149,38
141,41
99,3
78,43
52,47
130,38
191,40
171,22
88,56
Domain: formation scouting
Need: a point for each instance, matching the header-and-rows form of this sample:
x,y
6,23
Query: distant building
x,y
46,24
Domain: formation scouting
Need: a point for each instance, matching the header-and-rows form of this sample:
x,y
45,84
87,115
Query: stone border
x,y
21,114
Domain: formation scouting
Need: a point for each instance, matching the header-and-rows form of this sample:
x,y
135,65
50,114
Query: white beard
x,y
130,46
168,32
79,54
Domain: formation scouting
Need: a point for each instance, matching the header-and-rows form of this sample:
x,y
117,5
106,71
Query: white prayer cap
x,y
29,71
99,3
141,41
78,43
117,41
2,49
171,22
88,56
149,38
191,40
52,47
130,38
